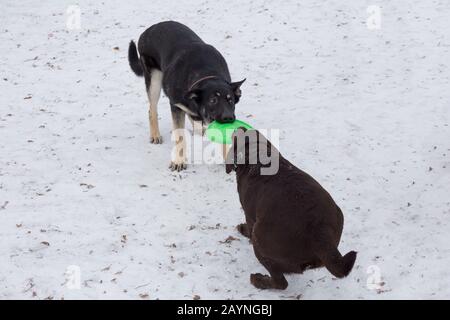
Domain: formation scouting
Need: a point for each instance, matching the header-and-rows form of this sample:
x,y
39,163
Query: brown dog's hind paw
x,y
177,166
261,281
156,140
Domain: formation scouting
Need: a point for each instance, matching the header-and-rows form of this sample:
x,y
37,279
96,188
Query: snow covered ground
x,y
366,112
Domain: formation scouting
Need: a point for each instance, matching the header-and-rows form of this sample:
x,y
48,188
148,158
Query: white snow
x,y
366,112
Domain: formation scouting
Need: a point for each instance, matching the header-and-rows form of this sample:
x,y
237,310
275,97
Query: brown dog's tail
x,y
339,266
134,61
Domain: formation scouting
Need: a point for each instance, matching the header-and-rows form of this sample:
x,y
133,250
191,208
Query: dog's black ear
x,y
193,95
236,87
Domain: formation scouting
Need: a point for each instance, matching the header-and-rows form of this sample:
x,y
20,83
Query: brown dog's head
x,y
250,149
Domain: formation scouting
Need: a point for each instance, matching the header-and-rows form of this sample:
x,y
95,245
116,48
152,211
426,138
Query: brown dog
x,y
293,222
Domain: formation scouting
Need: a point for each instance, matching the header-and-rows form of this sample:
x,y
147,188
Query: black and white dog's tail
x,y
134,61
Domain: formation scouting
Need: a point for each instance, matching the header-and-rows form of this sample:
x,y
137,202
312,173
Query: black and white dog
x,y
193,75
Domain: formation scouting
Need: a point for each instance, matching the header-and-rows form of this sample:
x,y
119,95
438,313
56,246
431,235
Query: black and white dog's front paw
x,y
156,140
178,165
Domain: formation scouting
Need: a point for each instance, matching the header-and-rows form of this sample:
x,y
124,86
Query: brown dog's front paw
x,y
175,166
261,281
244,230
156,140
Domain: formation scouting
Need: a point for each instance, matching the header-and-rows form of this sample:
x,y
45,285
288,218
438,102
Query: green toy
x,y
222,132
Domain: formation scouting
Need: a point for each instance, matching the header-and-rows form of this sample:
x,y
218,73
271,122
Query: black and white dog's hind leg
x,y
178,162
153,84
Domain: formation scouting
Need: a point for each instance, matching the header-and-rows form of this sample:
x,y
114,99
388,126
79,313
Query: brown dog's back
x,y
292,220
297,221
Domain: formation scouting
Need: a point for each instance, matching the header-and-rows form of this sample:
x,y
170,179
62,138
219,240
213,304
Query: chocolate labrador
x,y
292,221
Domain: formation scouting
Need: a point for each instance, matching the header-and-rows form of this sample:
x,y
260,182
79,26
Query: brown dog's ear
x,y
236,87
230,164
229,161
244,129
